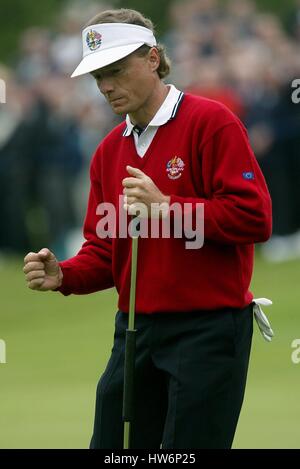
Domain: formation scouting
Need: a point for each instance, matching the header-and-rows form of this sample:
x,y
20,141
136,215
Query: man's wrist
x,y
164,206
60,278
167,199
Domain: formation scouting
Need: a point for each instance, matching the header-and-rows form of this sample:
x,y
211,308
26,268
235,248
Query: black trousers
x,y
190,378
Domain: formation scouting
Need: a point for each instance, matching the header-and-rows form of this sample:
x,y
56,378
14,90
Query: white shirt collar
x,y
167,111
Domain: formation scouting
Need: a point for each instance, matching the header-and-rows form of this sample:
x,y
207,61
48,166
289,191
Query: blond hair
x,y
125,15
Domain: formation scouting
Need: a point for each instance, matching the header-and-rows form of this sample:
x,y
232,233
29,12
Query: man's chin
x,y
119,108
120,111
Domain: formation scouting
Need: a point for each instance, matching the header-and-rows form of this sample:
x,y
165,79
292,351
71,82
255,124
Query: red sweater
x,y
221,171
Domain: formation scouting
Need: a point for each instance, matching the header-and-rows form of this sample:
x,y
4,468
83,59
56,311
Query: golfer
x,y
194,310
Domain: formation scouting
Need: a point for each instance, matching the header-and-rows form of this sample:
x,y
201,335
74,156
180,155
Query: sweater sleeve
x,y
237,209
91,269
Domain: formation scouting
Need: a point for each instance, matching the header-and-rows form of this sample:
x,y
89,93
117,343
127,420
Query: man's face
x,y
128,83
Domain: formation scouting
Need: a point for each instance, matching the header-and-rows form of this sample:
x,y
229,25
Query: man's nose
x,y
105,85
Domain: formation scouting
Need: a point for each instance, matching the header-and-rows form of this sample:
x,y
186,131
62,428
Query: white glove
x,y
261,318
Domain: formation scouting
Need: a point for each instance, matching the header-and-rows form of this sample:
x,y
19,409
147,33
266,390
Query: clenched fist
x,y
139,189
42,270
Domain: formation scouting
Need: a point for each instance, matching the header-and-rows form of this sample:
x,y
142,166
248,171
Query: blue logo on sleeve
x,y
248,175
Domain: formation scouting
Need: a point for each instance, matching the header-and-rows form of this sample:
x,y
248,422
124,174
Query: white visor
x,y
106,43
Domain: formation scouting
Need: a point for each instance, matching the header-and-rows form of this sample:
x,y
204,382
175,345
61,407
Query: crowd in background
x,y
51,124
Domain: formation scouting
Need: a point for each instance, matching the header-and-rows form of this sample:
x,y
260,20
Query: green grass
x,y
270,416
57,348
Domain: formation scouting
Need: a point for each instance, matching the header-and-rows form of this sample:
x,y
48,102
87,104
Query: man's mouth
x,y
114,100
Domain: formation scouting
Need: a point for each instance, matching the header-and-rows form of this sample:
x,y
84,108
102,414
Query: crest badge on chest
x,y
175,167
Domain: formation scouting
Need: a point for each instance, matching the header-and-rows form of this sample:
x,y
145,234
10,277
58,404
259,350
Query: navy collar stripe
x,y
125,132
174,112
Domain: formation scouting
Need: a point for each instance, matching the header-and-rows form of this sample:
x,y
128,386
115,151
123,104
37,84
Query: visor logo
x,y
93,40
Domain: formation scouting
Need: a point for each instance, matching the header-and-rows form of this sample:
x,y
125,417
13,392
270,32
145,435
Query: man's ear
x,y
154,58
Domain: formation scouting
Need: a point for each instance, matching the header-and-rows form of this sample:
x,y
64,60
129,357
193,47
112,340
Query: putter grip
x,y
129,375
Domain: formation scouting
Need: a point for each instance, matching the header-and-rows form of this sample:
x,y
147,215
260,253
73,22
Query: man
x,y
194,311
